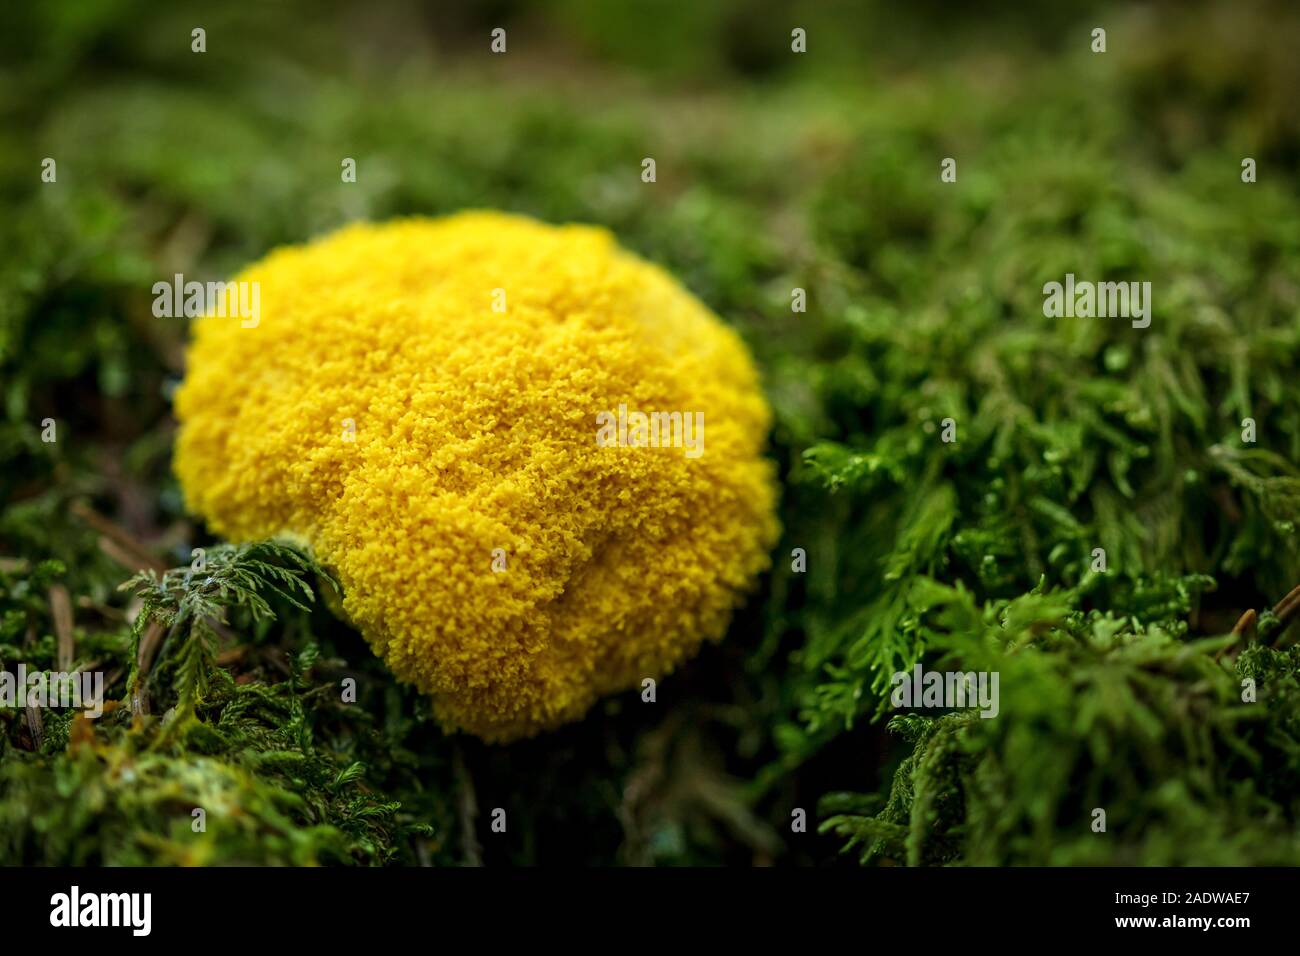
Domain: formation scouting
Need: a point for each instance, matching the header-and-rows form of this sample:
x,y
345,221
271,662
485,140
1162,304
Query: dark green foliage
x,y
1120,689
275,766
1156,733
191,602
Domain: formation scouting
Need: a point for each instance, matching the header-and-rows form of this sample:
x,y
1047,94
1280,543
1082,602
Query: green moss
x,y
1096,712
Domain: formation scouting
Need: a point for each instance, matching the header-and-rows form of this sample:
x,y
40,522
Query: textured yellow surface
x,y
475,430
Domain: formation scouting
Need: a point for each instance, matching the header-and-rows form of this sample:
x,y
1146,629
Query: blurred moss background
x,y
775,170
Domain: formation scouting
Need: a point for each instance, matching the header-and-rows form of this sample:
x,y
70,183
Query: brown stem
x,y
61,611
120,545
467,804
1246,624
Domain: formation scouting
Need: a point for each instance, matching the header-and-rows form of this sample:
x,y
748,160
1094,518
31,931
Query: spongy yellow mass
x,y
418,402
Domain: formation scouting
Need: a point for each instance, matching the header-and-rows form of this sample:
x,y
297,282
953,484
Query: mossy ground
x,y
1120,690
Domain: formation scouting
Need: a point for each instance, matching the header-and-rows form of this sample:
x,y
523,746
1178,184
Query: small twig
x,y
150,641
467,805
1246,624
120,545
234,655
61,611
36,726
1286,611
1242,632
149,644
1287,608
119,554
